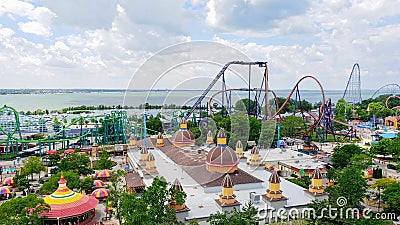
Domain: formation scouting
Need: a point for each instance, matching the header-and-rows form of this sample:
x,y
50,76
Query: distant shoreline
x,y
64,91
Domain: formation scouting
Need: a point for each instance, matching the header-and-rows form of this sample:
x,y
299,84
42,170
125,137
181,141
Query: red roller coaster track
x,y
316,120
387,102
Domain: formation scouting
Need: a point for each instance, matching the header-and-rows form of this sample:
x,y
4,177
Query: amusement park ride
x,y
115,126
13,141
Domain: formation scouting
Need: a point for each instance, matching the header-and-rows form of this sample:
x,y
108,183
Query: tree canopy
x,y
150,207
22,210
381,147
343,154
350,185
52,184
33,165
391,195
247,216
104,162
76,162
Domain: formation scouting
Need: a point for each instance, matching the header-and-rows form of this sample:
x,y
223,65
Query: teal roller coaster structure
x,y
111,128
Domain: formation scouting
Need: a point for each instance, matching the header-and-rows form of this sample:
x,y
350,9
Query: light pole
x,y
58,220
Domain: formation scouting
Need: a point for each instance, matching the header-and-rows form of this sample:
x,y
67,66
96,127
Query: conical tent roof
x,y
66,203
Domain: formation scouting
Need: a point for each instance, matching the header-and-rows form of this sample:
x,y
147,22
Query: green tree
x,y
132,210
86,184
118,196
33,165
154,124
361,161
19,211
382,147
76,162
51,185
247,216
350,178
104,162
149,208
292,125
156,196
54,158
255,129
289,107
394,148
378,109
382,184
343,110
392,198
23,183
342,155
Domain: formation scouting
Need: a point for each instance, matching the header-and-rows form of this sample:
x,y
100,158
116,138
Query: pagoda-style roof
x,y
239,144
150,157
227,181
144,151
274,178
255,151
177,185
66,203
317,174
221,133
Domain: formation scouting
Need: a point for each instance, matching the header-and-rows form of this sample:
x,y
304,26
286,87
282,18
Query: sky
x,y
184,43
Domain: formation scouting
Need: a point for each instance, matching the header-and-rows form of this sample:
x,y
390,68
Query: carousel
x,y
68,207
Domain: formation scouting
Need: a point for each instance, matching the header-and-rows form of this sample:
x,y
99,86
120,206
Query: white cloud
x,y
34,27
6,32
39,18
251,17
106,40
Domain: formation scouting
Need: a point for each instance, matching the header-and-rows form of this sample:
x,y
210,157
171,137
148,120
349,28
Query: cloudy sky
x,y
102,43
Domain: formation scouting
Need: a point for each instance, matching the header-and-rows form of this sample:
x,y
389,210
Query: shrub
x,y
8,156
391,166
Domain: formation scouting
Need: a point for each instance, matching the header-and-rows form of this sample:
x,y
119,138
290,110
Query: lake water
x,y
25,102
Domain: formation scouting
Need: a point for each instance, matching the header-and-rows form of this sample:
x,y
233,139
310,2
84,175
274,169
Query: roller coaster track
x,y
394,89
352,93
214,81
50,138
238,89
16,127
387,102
277,114
318,119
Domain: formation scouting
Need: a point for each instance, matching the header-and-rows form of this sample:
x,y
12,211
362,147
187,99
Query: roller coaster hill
x,y
28,135
319,122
